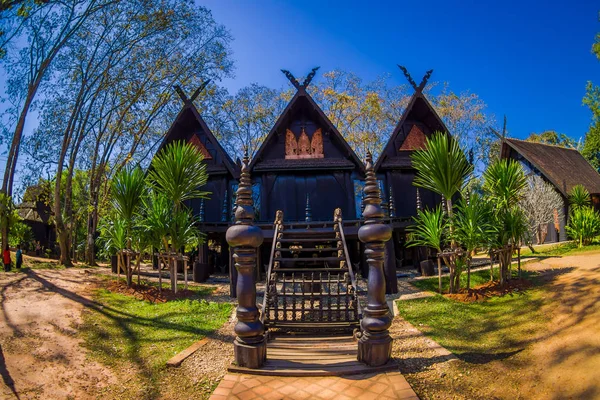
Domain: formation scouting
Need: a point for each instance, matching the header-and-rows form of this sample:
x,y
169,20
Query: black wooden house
x,y
212,214
305,162
396,173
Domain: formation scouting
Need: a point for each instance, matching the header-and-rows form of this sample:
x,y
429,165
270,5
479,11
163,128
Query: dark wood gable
x,y
190,127
304,155
419,121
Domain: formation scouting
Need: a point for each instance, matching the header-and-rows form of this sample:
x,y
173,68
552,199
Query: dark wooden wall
x,y
326,190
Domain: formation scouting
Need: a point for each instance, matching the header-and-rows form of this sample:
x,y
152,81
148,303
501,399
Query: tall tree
x,y
44,33
243,120
364,112
465,115
591,143
115,92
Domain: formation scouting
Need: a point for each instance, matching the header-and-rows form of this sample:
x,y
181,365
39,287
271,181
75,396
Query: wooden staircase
x,y
311,309
310,283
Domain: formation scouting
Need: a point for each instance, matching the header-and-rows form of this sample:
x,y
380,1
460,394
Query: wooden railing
x,y
350,270
277,225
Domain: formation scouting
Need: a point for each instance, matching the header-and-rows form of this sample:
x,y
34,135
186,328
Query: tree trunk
x,y
439,260
468,273
519,261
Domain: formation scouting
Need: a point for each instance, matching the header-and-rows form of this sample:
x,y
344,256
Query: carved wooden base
x,y
375,349
250,355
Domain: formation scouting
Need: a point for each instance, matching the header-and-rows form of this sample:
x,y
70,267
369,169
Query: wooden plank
x,y
178,358
354,369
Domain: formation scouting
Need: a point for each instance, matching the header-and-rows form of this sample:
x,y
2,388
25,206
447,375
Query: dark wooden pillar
x,y
250,346
375,343
389,266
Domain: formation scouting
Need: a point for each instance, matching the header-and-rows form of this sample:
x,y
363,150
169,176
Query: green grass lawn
x,y
490,328
477,278
127,332
561,249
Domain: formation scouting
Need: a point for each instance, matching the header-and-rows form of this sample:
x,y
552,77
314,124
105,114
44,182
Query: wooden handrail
x,y
267,279
350,271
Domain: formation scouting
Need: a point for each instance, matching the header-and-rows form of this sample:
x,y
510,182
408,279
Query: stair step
x,y
305,259
311,231
315,325
308,271
304,240
315,249
279,294
316,280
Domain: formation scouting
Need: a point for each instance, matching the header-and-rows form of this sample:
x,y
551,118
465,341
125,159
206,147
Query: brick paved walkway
x,y
383,386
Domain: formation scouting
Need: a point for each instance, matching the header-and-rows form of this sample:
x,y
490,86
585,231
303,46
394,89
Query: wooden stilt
x,y
185,265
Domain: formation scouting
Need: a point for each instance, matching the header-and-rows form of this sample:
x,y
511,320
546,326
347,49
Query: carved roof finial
x,y
184,97
181,94
418,89
408,77
295,82
292,78
310,77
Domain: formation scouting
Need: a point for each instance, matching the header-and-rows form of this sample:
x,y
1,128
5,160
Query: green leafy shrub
x,y
584,225
579,197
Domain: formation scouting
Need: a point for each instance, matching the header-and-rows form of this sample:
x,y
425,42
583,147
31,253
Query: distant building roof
x,y
563,167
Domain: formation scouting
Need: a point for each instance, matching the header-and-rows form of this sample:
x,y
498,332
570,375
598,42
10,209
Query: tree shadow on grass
x,y
125,322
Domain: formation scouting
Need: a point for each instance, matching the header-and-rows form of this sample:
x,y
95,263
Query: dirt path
x,y
559,361
40,355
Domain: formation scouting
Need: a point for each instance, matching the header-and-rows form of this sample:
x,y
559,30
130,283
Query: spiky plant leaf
x,y
178,172
442,166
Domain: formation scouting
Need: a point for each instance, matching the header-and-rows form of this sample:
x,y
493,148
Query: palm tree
x,y
176,175
504,182
128,187
473,226
429,230
113,237
443,168
178,172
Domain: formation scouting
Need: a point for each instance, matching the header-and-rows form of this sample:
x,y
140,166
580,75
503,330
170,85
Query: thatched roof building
x,y
564,168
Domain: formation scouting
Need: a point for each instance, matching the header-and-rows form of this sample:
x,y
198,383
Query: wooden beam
x,y
199,90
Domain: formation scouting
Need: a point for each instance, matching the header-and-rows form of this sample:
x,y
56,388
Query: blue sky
x,y
529,60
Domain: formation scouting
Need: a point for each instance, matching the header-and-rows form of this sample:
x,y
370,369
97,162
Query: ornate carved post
x,y
391,205
232,218
384,204
362,202
250,345
224,213
201,210
307,210
419,204
375,343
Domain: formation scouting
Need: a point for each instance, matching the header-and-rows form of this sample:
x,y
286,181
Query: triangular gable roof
x,y
419,100
563,167
190,108
302,94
